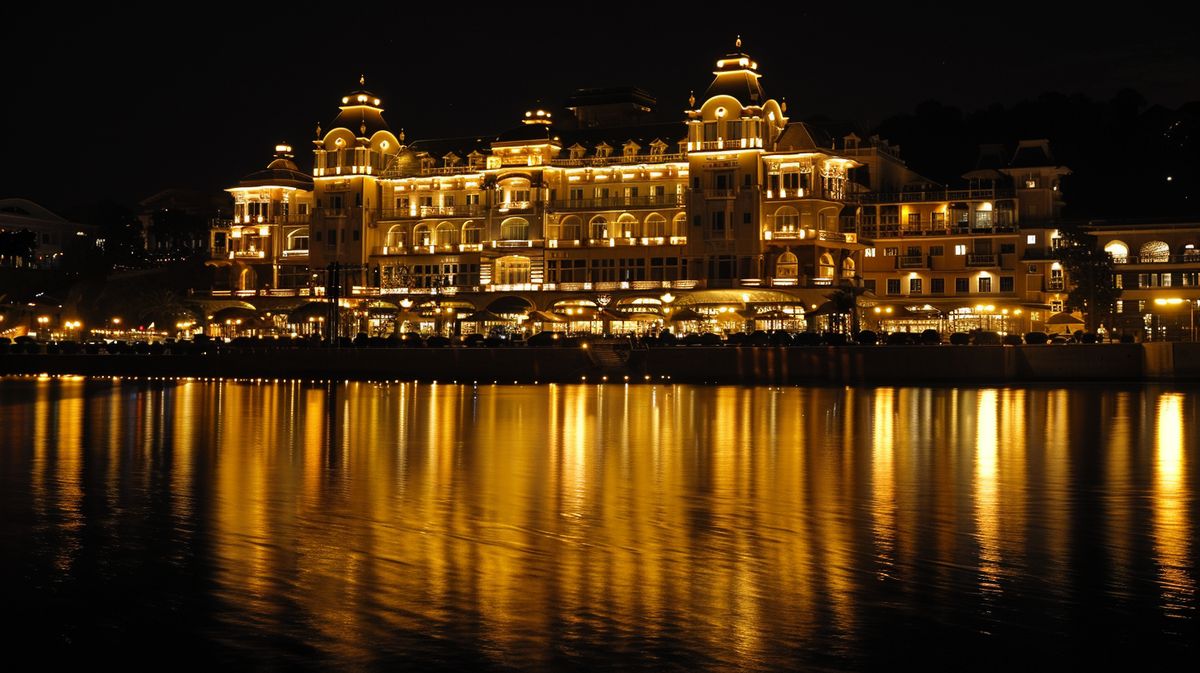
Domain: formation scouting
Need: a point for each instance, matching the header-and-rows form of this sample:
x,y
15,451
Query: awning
x,y
1063,319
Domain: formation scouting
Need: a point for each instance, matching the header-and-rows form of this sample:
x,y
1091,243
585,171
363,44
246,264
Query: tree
x,y
17,248
1090,271
844,301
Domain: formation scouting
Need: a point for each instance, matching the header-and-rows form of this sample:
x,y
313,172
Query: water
x,y
579,527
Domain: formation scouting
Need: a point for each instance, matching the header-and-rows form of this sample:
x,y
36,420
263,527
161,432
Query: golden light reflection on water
x,y
1172,530
528,523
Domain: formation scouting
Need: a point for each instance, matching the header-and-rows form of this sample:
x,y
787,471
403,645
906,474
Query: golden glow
x,y
1172,538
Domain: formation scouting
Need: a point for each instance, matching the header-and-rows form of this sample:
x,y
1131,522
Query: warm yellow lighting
x,y
1173,301
667,298
720,112
384,145
345,99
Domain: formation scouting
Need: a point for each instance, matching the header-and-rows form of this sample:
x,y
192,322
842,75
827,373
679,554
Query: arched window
x,y
825,266
599,227
786,222
786,265
514,229
1155,251
656,226
1118,250
511,270
298,239
446,235
422,235
395,237
570,229
848,267
679,225
472,233
627,226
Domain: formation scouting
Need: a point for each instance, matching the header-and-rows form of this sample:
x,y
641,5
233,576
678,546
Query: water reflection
x,y
564,526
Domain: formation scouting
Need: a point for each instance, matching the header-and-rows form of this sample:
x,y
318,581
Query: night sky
x,y
119,106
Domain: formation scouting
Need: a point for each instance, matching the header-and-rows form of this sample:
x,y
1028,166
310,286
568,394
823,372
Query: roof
x,y
1032,154
609,96
27,208
741,84
803,136
643,135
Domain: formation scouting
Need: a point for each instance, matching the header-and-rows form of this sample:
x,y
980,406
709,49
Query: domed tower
x,y
267,244
348,158
763,190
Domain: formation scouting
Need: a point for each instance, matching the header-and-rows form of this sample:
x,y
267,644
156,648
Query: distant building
x,y
176,222
52,233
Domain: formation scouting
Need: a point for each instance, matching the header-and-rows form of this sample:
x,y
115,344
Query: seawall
x,y
694,364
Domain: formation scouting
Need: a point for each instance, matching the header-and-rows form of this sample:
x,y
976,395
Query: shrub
x,y
780,338
1087,338
1127,338
806,339
899,339
987,339
960,338
931,337
1036,338
867,338
1012,339
666,338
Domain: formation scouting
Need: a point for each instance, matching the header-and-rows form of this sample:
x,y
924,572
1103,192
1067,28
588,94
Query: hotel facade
x,y
734,211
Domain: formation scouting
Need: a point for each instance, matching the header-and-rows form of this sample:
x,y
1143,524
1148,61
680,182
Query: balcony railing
x,y
656,200
253,221
1055,285
982,259
718,193
464,210
933,195
1186,258
621,159
296,253
911,262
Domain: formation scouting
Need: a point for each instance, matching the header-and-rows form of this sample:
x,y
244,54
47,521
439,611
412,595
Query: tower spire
x,y
362,80
738,43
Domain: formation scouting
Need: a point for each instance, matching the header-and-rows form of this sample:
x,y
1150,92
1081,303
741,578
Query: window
x,y
869,252
718,221
332,240
1006,283
1031,239
985,284
1008,248
787,266
937,286
893,286
914,286
936,250
746,218
356,234
869,285
962,285
1056,305
514,229
960,250
891,252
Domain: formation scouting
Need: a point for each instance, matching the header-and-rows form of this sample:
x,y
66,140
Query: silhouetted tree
x,y
1090,271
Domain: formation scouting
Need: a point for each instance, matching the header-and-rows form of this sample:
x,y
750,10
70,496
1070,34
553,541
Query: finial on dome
x,y
362,80
738,42
318,129
692,99
362,128
401,135
783,105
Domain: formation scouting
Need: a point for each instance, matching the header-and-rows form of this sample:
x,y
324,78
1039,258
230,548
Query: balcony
x,y
292,254
1055,285
983,259
912,262
620,160
620,202
932,196
465,210
718,193
511,206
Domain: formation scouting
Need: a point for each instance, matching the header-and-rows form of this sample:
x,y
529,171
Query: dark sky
x,y
108,104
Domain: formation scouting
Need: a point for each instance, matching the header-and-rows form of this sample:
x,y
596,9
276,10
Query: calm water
x,y
582,527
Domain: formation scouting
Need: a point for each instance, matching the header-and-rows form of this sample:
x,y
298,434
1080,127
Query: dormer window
x,y
577,151
658,148
603,150
427,163
475,158
630,149
450,159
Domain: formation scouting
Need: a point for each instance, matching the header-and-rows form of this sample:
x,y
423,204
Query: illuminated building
x,y
734,205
